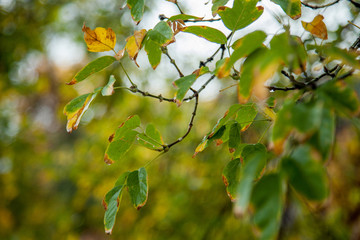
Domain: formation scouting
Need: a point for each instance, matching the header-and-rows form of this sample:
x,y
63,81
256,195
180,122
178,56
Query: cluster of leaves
x,y
302,126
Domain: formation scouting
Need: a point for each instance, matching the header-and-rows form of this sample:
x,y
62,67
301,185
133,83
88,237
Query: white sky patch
x,y
64,52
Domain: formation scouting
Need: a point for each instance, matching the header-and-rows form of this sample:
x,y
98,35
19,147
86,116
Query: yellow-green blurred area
x,y
52,183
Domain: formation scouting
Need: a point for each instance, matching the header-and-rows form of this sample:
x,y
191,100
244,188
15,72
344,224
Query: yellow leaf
x,y
317,27
100,39
134,44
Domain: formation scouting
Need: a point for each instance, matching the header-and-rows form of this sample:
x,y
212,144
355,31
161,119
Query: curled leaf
x,y
108,90
75,109
134,44
317,27
99,39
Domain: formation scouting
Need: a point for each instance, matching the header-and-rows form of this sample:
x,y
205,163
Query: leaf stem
x,y
127,75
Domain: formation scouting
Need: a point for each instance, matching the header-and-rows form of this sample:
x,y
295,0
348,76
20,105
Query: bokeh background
x,y
52,183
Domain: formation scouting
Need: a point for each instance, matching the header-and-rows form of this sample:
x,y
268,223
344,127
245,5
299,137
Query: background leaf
x,y
291,7
267,200
306,175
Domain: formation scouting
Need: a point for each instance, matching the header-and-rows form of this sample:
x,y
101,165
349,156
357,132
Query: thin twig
x,y
203,20
172,61
178,6
191,123
211,58
147,94
321,6
200,89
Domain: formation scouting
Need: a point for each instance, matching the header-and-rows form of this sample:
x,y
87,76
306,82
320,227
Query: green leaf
x,y
234,136
246,45
337,95
241,14
153,51
121,140
76,108
210,34
151,138
93,67
184,85
222,68
219,129
291,7
246,115
111,203
290,50
303,117
267,201
248,174
306,176
323,139
230,177
251,149
138,187
217,4
108,90
246,78
153,133
161,34
183,17
137,9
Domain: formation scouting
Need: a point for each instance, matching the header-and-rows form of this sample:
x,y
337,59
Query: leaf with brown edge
x,y
76,108
223,67
230,177
99,39
134,44
111,202
91,68
138,187
210,34
316,27
122,140
137,9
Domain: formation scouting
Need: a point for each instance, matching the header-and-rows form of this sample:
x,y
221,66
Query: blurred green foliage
x,y
52,183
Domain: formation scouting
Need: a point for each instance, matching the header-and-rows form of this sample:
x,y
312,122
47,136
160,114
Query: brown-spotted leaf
x,y
134,44
99,39
317,27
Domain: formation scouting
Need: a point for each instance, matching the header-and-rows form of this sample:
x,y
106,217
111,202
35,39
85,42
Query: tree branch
x,y
196,94
321,6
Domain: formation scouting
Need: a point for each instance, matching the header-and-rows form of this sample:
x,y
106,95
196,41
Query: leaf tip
x,y
107,160
72,82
